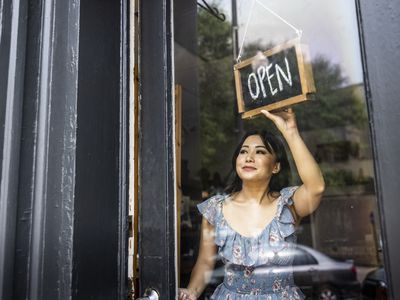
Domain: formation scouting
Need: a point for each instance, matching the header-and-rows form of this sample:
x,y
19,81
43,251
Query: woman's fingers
x,y
284,119
285,114
181,294
276,118
270,116
185,294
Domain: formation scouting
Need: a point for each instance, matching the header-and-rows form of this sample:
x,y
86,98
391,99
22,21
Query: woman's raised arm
x,y
308,195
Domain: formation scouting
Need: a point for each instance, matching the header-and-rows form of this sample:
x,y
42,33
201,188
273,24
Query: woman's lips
x,y
248,168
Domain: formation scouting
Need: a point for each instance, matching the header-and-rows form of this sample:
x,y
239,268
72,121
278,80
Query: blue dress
x,y
258,267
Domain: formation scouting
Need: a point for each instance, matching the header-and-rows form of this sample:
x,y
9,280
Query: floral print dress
x,y
258,267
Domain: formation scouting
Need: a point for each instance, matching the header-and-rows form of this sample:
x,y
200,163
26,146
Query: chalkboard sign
x,y
274,79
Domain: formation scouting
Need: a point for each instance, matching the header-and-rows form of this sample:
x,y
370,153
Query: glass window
x,y
334,125
301,257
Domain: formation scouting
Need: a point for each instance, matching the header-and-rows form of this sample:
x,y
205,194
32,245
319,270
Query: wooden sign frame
x,y
305,72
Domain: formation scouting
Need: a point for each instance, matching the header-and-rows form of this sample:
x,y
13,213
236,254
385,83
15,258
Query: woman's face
x,y
254,163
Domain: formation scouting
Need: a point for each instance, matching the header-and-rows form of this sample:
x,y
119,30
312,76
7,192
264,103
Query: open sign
x,y
279,77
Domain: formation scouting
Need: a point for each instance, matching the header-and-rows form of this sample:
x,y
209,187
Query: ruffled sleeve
x,y
287,194
284,214
282,235
210,209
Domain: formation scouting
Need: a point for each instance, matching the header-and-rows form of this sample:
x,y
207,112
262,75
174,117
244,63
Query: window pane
x,y
344,231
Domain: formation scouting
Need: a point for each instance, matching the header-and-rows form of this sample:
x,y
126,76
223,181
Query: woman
x,y
253,226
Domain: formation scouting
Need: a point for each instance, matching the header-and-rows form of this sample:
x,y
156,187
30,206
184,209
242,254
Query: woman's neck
x,y
252,192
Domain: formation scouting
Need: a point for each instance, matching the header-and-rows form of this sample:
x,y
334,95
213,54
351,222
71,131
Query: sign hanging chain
x,y
299,32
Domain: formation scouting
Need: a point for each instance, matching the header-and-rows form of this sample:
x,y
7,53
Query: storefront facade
x,y
114,116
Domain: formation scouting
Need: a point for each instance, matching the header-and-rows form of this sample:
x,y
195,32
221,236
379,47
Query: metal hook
x,y
212,10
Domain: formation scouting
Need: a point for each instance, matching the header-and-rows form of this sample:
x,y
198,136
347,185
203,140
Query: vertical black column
x,y
380,29
100,220
42,87
63,149
12,66
157,232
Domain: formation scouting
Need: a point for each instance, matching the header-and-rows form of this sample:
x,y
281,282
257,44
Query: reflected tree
x,y
216,89
337,103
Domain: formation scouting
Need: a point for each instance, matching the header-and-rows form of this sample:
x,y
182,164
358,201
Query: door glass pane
x,y
341,240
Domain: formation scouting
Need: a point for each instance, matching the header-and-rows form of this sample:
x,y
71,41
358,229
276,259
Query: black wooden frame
x,y
379,28
157,217
43,150
13,36
374,20
52,90
101,225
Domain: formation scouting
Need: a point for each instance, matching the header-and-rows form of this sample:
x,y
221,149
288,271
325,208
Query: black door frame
x,y
43,112
380,35
157,217
63,149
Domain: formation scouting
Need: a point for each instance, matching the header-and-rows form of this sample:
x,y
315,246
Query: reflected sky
x,y
329,28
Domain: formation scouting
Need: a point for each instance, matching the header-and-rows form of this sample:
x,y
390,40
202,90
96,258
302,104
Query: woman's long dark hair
x,y
275,146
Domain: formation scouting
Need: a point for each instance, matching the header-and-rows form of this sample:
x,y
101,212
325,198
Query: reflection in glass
x,y
342,238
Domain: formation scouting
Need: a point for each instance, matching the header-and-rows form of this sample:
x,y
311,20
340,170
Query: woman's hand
x,y
284,120
186,294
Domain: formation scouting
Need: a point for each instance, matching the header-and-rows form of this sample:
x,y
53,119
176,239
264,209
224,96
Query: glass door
x,y
339,250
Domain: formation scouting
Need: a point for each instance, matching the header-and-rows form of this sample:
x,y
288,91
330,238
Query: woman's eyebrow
x,y
257,146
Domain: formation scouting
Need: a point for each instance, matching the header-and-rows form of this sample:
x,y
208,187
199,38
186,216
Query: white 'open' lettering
x,y
288,77
257,81
252,94
261,76
269,77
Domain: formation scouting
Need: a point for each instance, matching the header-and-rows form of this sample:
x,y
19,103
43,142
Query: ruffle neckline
x,y
258,250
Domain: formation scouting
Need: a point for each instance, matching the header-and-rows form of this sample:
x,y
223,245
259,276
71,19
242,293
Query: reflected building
x,y
344,226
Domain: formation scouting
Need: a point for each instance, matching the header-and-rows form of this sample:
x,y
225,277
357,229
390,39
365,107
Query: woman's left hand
x,y
284,120
186,294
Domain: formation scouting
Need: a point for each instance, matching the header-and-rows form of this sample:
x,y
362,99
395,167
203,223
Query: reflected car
x,y
317,275
374,286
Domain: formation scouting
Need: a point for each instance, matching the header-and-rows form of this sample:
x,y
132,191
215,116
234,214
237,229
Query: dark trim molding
x,y
380,41
125,79
100,212
63,200
53,169
38,147
12,64
157,238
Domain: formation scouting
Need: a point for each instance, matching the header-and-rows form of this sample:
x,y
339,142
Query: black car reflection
x,y
374,286
318,276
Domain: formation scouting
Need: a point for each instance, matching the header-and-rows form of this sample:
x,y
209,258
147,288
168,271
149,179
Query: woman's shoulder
x,y
211,207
